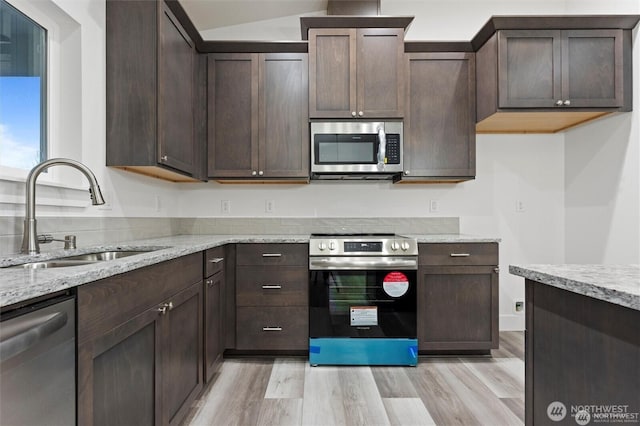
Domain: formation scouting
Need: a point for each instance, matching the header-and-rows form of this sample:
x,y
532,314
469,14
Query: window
x,y
23,89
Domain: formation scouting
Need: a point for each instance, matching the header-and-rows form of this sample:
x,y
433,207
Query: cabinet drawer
x,y
105,304
273,254
445,254
272,328
213,261
272,286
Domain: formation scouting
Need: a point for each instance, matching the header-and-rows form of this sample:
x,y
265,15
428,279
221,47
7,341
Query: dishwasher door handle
x,y
33,331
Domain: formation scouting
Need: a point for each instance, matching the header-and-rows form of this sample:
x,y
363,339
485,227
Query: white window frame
x,y
48,15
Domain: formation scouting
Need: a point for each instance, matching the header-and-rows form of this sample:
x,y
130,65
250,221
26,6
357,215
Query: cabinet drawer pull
x,y
271,254
210,283
216,260
271,328
460,255
272,286
165,307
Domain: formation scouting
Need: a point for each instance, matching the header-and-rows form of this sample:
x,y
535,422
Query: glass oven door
x,y
362,303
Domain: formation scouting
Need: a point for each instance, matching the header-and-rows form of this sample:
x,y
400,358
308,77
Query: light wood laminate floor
x,y
439,391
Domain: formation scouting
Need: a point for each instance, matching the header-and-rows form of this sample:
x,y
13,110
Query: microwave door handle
x,y
382,148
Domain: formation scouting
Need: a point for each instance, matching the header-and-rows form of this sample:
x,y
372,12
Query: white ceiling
x,y
211,14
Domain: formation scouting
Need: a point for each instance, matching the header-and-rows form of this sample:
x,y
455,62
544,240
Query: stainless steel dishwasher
x,y
38,364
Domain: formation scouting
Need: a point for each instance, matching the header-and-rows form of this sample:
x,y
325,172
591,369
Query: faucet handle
x,y
45,238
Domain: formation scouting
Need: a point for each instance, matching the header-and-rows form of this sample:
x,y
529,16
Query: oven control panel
x,y
327,245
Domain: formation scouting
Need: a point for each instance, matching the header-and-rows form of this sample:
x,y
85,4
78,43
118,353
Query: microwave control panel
x,y
393,149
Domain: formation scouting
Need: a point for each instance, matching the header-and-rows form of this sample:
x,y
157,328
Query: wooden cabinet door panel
x,y
332,73
117,377
457,308
380,72
182,364
176,68
529,68
284,118
213,314
592,68
439,137
232,114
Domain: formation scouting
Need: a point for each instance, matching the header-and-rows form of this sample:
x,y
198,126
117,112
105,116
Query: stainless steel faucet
x,y
30,237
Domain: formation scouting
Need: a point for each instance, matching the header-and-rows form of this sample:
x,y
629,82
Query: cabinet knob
x,y
164,158
559,102
165,307
361,113
260,172
496,270
253,173
407,172
353,113
567,102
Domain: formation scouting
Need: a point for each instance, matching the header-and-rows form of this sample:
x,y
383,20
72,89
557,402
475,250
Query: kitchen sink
x,y
82,259
104,255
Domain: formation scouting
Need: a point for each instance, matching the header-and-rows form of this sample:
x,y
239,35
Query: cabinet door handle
x,y
460,255
216,260
165,307
353,113
559,102
164,158
271,254
567,102
496,269
272,286
209,283
271,328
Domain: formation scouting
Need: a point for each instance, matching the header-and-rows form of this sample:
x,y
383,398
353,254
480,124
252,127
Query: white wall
x,y
530,168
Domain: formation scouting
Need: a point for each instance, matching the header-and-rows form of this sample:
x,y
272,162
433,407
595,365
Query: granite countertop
x,y
18,285
618,284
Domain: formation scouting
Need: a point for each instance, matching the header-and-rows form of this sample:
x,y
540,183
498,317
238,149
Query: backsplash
x,y
91,231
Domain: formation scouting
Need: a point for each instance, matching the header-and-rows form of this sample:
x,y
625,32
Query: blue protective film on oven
x,y
354,351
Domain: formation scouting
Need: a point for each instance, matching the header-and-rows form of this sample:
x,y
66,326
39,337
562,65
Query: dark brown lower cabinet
x,y
213,341
458,308
581,352
140,356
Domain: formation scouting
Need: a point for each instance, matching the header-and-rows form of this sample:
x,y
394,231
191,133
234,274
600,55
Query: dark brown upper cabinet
x,y
258,117
539,75
356,73
439,125
152,73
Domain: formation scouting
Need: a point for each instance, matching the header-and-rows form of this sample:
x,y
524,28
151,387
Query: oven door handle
x,y
362,263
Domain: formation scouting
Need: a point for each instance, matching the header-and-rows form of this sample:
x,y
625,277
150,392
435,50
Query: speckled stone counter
x,y
618,284
18,285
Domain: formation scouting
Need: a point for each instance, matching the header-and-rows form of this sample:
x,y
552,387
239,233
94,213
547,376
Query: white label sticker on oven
x,y
395,284
364,315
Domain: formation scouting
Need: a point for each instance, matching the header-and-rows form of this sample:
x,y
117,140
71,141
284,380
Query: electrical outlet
x,y
434,206
225,206
519,306
269,206
520,206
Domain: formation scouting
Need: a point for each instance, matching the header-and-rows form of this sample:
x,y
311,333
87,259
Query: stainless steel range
x,y
362,299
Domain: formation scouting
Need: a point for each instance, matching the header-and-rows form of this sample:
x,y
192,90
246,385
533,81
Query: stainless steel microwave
x,y
356,149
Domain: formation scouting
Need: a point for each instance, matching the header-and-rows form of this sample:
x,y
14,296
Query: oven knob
x,y
322,246
405,246
332,245
394,246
